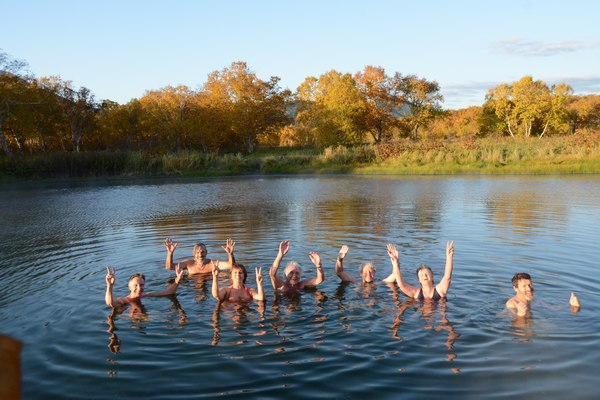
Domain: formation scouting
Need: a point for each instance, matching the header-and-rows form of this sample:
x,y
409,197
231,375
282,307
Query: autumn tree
x,y
247,106
382,101
527,106
422,101
332,108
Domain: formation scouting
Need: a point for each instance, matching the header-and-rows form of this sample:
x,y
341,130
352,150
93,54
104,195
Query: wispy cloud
x,y
533,48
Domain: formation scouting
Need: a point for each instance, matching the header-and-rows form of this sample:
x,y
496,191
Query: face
x,y
136,286
237,277
293,276
368,273
524,289
200,253
425,276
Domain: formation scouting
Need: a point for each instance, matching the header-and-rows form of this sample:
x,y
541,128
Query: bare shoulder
x,y
510,303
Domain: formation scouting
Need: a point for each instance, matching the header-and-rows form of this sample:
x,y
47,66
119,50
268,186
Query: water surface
x,y
339,341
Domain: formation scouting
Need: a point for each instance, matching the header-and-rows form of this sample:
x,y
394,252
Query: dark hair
x,y
423,266
519,276
137,276
242,268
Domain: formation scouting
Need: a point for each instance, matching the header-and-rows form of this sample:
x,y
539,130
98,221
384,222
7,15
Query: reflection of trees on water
x,y
434,316
524,210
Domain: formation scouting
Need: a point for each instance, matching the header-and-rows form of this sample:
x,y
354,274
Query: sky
x,y
119,49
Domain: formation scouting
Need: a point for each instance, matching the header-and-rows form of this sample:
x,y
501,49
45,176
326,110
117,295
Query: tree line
x,y
236,111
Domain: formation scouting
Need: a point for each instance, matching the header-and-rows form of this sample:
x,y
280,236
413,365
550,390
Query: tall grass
x,y
567,154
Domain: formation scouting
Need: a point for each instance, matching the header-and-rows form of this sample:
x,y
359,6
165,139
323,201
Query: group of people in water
x,y
292,280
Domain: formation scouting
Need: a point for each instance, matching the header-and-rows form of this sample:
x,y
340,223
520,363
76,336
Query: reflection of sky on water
x,y
56,243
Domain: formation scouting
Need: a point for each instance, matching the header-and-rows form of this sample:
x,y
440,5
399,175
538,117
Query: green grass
x,y
561,155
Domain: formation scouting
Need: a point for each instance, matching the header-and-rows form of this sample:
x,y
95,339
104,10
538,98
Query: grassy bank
x,y
562,155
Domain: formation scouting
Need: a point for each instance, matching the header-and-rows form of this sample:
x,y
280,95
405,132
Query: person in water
x,y
199,264
237,292
136,285
366,271
520,303
428,289
293,272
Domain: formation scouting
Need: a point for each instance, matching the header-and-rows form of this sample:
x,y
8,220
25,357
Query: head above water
x,y
424,273
199,250
367,272
239,268
136,284
292,272
520,276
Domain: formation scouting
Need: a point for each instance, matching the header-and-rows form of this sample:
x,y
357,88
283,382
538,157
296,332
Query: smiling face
x,y
425,275
136,286
199,252
524,289
367,273
238,275
292,274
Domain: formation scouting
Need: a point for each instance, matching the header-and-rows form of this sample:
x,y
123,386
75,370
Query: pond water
x,y
339,341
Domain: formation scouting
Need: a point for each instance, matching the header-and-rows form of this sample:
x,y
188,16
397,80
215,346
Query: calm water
x,y
340,341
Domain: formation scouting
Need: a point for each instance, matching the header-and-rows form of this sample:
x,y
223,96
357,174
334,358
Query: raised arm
x,y
312,282
444,284
171,290
410,291
110,282
339,265
574,302
215,282
260,294
229,246
170,246
273,272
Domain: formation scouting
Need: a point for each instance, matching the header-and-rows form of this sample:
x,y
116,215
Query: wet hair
x,y
519,276
290,266
198,245
423,266
241,268
137,276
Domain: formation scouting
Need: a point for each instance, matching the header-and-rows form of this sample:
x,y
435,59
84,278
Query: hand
x,y
521,309
259,277
574,301
229,245
315,258
343,252
449,248
178,274
284,247
215,269
170,245
110,276
393,252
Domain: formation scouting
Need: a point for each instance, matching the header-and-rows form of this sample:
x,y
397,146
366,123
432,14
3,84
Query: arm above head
x,y
110,282
446,280
170,246
312,282
339,265
216,292
260,294
229,246
409,290
273,272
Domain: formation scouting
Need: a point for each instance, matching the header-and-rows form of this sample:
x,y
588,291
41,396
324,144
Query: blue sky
x,y
120,49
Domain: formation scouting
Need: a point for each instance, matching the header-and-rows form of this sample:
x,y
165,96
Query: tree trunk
x,y
4,143
509,128
545,126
